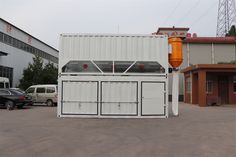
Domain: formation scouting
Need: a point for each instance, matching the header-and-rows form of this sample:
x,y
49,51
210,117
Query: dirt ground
x,y
196,132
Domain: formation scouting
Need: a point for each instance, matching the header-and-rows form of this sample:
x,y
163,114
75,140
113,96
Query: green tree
x,y
232,32
36,73
49,75
233,62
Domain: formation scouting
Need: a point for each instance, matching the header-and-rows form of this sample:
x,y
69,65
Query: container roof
x,y
109,35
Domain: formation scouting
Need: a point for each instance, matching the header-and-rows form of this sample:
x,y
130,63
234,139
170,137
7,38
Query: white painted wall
x,y
16,59
18,34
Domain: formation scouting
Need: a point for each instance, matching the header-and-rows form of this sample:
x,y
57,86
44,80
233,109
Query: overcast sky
x,y
46,19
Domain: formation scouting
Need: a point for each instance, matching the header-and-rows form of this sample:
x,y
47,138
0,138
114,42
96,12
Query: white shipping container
x,y
113,76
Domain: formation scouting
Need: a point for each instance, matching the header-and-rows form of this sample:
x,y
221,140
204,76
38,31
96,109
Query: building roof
x,y
172,29
211,67
207,40
28,34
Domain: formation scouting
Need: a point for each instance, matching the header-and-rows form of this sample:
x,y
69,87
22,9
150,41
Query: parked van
x,y
43,94
4,82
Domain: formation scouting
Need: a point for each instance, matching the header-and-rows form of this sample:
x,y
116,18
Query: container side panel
x,y
153,99
119,48
119,98
79,98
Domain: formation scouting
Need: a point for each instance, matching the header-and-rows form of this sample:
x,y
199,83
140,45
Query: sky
x,y
47,19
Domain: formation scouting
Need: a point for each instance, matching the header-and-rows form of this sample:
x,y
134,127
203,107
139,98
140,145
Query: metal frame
x,y
226,17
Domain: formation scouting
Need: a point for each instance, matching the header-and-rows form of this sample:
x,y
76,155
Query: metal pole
x,y
175,93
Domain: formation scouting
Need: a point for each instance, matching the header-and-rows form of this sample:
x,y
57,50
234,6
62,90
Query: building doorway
x,y
223,89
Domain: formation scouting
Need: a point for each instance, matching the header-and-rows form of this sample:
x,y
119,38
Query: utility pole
x,y
226,17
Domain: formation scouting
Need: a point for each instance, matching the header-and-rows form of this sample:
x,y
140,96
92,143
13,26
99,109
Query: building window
x,y
5,38
188,85
14,42
234,83
1,36
209,87
25,47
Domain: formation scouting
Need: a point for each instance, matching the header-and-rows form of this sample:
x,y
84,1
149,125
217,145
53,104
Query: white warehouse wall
x,y
22,36
16,59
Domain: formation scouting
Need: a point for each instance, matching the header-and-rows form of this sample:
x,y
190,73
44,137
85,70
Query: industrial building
x,y
202,55
219,87
17,49
217,84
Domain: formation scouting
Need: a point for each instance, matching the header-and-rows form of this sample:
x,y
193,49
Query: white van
x,y
4,82
43,94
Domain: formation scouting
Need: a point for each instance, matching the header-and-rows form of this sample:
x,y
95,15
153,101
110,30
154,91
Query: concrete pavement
x,y
197,132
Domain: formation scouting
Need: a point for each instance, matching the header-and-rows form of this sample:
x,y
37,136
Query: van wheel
x,y
9,105
49,103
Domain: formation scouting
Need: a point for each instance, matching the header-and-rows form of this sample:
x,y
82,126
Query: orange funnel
x,y
176,55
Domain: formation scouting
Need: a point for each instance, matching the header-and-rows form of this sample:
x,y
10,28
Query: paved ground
x,y
197,132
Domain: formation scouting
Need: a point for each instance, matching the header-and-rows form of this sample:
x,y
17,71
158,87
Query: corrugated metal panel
x,y
79,97
113,47
153,98
119,98
227,55
198,51
119,91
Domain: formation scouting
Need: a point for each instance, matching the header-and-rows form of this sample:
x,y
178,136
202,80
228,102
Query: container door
x,y
80,98
153,99
119,98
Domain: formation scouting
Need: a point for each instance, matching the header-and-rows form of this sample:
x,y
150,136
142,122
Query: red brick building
x,y
207,84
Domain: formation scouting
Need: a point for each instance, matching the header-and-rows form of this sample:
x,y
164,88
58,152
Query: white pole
x,y
175,93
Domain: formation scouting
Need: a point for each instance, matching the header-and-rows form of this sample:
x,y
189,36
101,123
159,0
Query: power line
x,y
188,12
204,13
173,11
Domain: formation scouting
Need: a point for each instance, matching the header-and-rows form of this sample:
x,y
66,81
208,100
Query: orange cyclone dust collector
x,y
176,55
175,60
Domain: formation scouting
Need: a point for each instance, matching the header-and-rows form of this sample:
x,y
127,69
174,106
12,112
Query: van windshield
x,y
30,90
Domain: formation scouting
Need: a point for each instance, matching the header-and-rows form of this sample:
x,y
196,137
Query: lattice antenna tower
x,y
226,17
